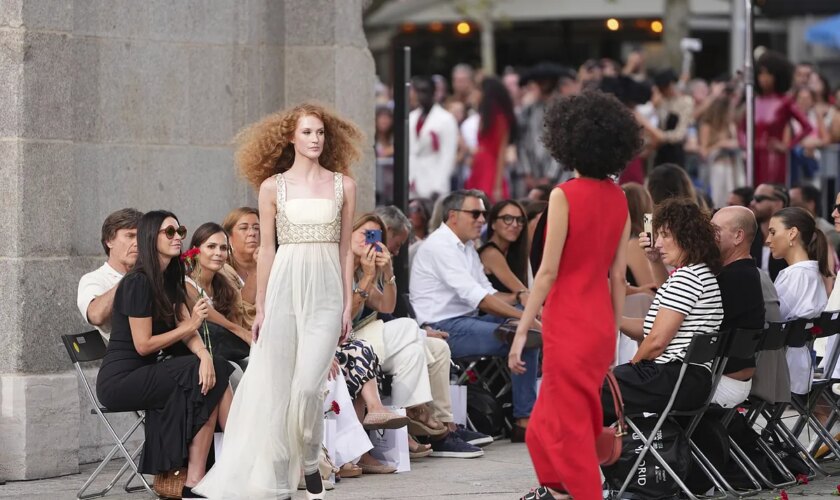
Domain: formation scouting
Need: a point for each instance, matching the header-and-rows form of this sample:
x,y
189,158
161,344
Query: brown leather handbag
x,y
608,444
170,484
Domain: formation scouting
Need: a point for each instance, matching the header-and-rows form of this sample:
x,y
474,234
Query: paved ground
x,y
504,473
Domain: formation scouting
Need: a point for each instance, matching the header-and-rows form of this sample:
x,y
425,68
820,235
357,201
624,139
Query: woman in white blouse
x,y
794,237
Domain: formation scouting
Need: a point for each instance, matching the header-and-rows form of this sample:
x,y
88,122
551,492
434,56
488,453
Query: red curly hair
x,y
265,147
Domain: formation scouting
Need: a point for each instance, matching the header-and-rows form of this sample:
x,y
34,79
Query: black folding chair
x,y
87,347
703,349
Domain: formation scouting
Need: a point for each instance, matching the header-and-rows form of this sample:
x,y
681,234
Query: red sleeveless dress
x,y
486,160
579,340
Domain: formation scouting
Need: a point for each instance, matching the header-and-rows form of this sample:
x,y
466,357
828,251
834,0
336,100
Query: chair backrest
x,y
703,348
742,343
799,332
84,347
775,337
829,324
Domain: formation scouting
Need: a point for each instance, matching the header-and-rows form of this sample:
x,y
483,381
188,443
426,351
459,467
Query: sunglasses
x,y
510,219
171,231
475,213
837,207
760,197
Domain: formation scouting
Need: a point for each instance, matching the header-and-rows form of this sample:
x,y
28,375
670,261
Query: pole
x,y
402,81
737,36
749,91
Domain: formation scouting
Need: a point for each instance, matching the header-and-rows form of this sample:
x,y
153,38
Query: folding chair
x,y
87,347
702,349
774,338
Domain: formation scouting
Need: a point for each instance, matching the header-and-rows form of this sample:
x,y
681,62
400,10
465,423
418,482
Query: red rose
x,y
472,377
335,408
783,495
802,479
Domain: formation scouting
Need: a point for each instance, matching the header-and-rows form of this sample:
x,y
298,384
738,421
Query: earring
x,y
790,243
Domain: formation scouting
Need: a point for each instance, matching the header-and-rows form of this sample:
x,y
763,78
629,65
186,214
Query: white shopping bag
x,y
458,396
390,446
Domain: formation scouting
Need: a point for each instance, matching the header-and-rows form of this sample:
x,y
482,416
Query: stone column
x,y
109,104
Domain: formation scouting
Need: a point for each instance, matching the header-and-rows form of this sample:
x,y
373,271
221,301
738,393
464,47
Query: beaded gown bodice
x,y
309,220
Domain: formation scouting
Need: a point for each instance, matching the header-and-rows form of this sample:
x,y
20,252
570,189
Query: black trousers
x,y
647,386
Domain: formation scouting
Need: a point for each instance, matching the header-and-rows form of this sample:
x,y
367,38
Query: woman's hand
x,y
199,313
368,262
255,328
431,332
346,326
383,261
245,335
651,252
206,371
515,363
333,369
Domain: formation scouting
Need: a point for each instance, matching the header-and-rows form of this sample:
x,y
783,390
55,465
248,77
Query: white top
x,y
201,292
801,291
693,292
432,152
469,131
447,278
92,285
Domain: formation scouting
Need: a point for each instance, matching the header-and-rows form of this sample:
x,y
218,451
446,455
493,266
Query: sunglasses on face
x,y
837,207
171,231
510,219
760,197
475,213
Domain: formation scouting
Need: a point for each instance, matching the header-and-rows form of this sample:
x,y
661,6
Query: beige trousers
x,y
439,364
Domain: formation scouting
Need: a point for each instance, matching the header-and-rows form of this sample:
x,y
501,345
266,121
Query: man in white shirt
x,y
95,297
432,143
449,289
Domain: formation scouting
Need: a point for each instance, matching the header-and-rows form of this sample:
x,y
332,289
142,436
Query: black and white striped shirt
x,y
693,292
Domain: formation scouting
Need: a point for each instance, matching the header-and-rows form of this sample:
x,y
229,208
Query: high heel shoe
x,y
314,481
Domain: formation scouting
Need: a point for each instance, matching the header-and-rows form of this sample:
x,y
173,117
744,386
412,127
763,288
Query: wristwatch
x,y
392,281
363,294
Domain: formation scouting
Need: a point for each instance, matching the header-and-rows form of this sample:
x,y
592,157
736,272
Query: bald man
x,y
741,294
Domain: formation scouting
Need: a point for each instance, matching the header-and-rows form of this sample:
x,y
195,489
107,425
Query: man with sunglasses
x,y
768,199
450,292
95,296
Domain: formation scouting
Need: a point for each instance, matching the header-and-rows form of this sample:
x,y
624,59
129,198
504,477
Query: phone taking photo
x,y
374,237
648,221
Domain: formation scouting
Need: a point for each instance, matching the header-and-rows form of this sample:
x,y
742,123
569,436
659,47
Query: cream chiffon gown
x,y
276,422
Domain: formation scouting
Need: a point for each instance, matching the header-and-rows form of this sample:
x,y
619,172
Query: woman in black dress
x,y
184,397
505,254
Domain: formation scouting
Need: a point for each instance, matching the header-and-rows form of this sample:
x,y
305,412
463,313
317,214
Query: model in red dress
x,y
497,129
582,279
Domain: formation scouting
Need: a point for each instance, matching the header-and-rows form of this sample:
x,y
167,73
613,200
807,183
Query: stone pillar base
x,y
39,422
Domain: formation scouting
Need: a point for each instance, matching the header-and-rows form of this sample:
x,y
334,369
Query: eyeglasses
x,y
171,231
510,219
475,213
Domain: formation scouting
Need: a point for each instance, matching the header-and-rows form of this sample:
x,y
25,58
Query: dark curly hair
x,y
592,133
692,229
777,65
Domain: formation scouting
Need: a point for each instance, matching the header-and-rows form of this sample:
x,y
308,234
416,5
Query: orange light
x,y
436,26
613,24
463,28
656,26
409,27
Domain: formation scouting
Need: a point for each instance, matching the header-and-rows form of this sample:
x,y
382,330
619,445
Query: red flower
x,y
783,495
838,490
802,478
190,254
816,330
335,408
472,377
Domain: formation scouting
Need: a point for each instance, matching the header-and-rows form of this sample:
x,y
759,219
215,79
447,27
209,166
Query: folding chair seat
x,y
703,349
87,347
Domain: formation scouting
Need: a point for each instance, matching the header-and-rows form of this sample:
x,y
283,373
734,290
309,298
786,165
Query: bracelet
x,y
392,281
363,294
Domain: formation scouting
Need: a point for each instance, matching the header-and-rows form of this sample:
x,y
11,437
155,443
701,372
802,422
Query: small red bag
x,y
608,444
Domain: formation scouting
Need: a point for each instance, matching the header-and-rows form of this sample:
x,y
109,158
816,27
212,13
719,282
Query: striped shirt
x,y
693,292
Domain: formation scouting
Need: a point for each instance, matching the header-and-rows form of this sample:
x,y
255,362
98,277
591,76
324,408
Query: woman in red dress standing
x,y
497,130
774,110
582,280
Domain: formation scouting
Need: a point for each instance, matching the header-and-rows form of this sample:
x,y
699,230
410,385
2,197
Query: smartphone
x,y
374,237
648,220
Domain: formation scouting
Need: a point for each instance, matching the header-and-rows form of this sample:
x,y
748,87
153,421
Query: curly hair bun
x,y
592,133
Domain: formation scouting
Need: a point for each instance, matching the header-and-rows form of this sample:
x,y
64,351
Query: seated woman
x,y
687,304
794,237
229,336
243,228
505,254
184,397
639,275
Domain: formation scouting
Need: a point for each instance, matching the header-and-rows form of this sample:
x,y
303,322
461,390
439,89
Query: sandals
x,y
542,493
349,470
420,426
384,421
418,450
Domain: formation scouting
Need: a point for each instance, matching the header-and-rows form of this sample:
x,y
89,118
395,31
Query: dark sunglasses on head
x,y
171,231
475,213
510,219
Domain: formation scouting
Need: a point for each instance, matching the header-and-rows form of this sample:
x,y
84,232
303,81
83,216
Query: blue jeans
x,y
474,336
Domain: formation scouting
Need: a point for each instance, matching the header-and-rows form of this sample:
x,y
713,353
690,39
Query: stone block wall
x,y
112,103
